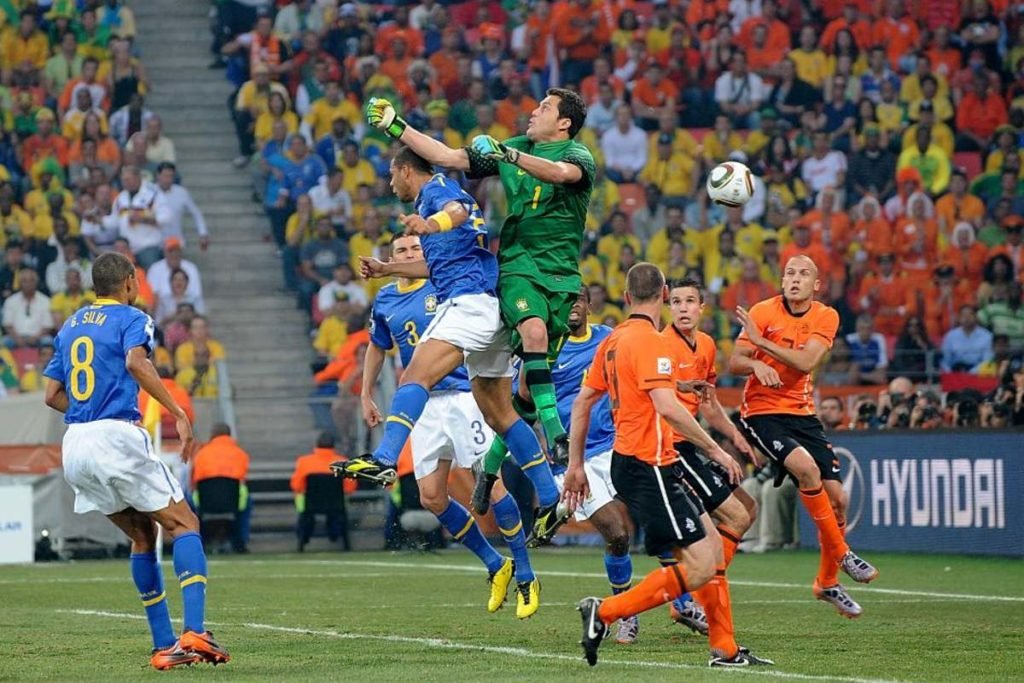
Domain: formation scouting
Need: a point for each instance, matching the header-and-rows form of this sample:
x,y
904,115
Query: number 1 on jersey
x,y
536,196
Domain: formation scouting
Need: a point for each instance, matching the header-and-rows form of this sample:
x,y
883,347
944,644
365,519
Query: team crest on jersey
x,y
777,445
430,303
664,366
690,526
804,328
522,305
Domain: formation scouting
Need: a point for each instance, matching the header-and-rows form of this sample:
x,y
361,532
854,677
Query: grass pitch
x,y
402,617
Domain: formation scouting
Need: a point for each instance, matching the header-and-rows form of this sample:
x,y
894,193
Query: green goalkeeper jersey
x,y
542,234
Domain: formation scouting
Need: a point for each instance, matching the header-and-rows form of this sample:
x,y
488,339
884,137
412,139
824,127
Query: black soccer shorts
x,y
778,435
659,502
708,479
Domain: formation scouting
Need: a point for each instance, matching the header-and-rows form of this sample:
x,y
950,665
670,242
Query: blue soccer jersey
x,y
568,373
400,316
89,360
458,260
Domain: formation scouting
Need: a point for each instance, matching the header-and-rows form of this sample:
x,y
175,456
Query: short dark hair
x,y
410,159
325,440
645,282
109,272
679,283
834,398
164,165
570,106
220,429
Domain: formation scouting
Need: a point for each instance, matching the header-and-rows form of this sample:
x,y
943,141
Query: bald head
x,y
902,386
801,261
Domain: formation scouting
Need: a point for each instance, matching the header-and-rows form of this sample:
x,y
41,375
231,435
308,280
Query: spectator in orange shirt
x,y
180,396
958,205
1013,246
944,56
871,231
705,11
223,457
46,142
850,21
602,74
319,462
653,94
898,34
885,294
943,300
582,33
747,291
916,240
828,223
518,102
779,38
966,255
978,115
399,26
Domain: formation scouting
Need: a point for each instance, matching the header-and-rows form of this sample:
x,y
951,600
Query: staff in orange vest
x,y
223,457
318,462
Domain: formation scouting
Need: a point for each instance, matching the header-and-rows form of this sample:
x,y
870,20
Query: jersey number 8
x,y
82,367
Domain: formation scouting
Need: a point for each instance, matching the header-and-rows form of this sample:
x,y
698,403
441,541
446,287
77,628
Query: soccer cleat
x,y
838,597
628,630
546,523
594,630
481,499
560,451
365,467
499,581
692,617
857,569
736,661
205,646
527,598
754,659
172,656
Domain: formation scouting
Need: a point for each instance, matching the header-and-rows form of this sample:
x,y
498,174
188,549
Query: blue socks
x,y
464,529
150,583
526,453
190,566
620,571
506,513
406,407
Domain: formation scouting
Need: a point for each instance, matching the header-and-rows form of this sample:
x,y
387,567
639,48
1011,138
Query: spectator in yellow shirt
x,y
660,244
332,105
25,51
757,140
604,201
198,339
674,173
357,171
722,141
64,304
617,273
32,375
941,133
333,330
487,125
912,85
929,95
200,378
253,99
439,129
928,158
591,268
682,140
602,311
610,246
277,110
810,61
1006,146
370,241
723,266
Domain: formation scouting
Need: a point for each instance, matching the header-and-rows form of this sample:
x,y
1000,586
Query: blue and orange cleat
x,y
173,656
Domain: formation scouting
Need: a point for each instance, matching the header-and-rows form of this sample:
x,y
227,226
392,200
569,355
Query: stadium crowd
x,y
885,137
85,168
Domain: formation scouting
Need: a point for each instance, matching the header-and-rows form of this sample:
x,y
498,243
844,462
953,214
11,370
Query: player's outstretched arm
x,y
370,268
141,368
575,487
668,406
56,395
556,172
714,412
743,364
381,114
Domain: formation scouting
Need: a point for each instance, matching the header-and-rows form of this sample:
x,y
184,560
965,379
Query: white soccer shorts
x,y
599,478
111,466
450,428
473,323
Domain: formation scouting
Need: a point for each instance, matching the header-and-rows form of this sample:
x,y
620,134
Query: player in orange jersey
x,y
693,362
783,340
633,367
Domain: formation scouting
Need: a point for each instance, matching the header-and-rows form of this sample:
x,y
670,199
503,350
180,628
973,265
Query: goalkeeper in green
x,y
548,178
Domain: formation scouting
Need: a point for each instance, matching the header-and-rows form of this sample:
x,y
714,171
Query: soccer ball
x,y
730,184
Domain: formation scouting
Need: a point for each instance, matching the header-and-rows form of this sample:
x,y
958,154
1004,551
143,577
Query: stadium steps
x,y
265,335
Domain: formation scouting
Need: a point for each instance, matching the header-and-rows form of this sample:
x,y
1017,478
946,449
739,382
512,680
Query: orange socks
x,y
714,598
730,541
833,545
660,586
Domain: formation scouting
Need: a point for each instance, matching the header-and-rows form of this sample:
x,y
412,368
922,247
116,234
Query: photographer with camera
x,y
895,405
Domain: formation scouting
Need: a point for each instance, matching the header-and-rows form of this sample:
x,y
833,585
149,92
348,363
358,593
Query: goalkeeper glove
x,y
381,114
490,148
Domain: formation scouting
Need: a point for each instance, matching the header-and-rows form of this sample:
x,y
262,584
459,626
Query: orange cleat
x,y
173,656
204,646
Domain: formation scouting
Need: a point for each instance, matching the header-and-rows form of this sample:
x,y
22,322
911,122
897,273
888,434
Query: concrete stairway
x,y
264,334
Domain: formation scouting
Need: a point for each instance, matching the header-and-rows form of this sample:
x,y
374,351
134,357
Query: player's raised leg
x,y
612,521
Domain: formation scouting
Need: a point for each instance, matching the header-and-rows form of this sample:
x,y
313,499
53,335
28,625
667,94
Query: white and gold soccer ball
x,y
730,184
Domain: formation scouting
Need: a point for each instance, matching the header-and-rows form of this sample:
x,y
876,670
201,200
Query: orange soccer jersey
x,y
775,321
630,362
695,362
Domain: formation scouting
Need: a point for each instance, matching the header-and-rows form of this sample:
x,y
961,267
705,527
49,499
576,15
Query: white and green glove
x,y
381,114
490,148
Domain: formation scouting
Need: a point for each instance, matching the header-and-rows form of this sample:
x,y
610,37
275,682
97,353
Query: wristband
x,y
396,128
443,220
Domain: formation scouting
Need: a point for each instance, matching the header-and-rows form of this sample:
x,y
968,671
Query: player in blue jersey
x,y
608,515
101,357
467,328
450,432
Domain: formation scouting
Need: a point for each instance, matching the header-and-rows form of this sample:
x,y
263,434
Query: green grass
x,y
401,617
